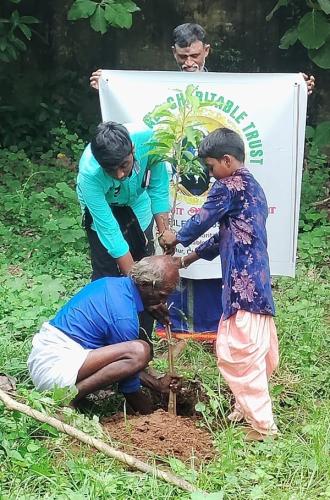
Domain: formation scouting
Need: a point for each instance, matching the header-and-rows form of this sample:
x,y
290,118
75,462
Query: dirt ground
x,y
162,435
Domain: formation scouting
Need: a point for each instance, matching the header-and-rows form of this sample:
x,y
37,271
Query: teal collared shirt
x,y
97,190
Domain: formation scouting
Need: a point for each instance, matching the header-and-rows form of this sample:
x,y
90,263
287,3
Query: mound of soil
x,y
160,434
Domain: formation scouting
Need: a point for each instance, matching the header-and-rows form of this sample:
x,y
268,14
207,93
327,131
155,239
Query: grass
x,y
44,259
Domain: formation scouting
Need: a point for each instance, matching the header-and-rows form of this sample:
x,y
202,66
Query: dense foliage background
x,y
48,50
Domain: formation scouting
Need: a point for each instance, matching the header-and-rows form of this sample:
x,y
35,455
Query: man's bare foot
x,y
83,405
140,402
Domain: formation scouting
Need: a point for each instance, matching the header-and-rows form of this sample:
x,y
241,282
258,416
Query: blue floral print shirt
x,y
239,205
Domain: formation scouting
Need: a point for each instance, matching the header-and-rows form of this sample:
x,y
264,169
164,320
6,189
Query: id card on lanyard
x,y
146,178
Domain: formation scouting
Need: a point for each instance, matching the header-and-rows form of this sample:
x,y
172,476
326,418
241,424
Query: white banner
x,y
269,112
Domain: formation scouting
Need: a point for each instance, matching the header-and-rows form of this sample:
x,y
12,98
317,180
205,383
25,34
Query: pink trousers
x,y
247,351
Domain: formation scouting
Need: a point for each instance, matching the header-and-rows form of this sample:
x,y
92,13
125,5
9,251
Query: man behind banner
x,y
198,300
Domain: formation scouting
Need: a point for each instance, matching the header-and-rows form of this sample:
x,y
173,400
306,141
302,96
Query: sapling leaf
x,y
200,407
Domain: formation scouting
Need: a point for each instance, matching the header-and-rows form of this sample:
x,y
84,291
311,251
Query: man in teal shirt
x,y
121,195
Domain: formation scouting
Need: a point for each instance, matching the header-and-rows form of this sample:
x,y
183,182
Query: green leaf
x,y
277,389
72,235
325,6
64,395
42,468
98,21
310,132
122,18
15,455
289,38
188,155
200,407
19,44
111,15
321,56
66,222
279,4
15,18
25,30
81,9
313,30
33,446
190,97
50,430
322,134
29,20
191,135
51,225
130,6
159,151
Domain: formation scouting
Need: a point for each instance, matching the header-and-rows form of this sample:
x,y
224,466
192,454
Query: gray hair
x,y
188,33
148,270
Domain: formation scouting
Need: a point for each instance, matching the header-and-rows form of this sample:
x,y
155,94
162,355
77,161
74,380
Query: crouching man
x,y
93,340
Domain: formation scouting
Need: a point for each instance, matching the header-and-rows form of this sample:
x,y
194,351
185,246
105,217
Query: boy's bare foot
x,y
235,416
253,435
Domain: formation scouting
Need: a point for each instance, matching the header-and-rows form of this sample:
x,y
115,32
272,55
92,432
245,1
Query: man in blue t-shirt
x,y
93,340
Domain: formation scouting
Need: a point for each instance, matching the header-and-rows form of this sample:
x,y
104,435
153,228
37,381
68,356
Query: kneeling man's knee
x,y
141,353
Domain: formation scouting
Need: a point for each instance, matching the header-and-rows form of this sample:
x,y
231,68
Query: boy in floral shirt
x,y
247,346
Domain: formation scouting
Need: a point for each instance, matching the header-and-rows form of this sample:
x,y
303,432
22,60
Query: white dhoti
x,y
55,359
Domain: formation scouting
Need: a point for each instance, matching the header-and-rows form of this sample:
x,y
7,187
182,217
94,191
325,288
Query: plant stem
x,y
172,396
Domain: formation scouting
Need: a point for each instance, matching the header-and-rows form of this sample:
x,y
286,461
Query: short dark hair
x,y
220,142
188,33
111,144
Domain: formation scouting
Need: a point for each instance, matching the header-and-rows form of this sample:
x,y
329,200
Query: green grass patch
x,y
44,260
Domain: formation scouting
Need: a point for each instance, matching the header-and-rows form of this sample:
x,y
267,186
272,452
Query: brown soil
x,y
161,434
190,394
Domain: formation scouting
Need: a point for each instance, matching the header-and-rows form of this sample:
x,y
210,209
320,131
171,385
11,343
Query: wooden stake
x,y
12,404
172,396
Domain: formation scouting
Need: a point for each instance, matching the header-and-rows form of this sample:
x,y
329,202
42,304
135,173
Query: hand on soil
x,y
170,382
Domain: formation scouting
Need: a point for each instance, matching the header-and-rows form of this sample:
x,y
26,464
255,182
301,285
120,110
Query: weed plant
x,y
44,260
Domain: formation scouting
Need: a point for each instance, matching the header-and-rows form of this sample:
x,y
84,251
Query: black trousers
x,y
105,265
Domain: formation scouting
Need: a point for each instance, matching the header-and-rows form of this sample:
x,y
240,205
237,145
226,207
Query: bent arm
x,y
159,194
209,250
106,226
212,211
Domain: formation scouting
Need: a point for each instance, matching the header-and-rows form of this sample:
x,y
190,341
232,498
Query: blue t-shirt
x,y
104,312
